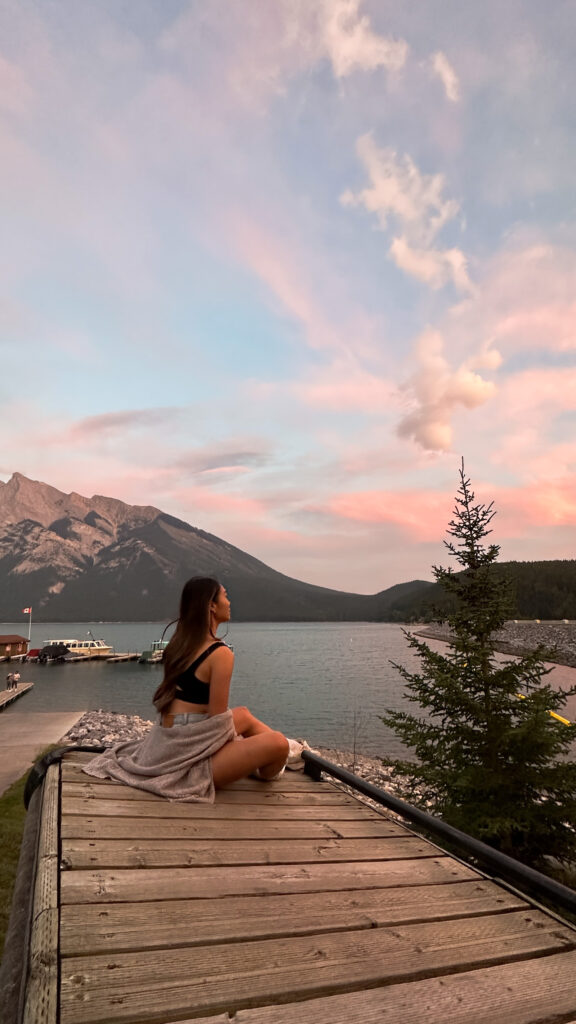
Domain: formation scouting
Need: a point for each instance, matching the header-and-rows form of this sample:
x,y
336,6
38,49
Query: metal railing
x,y
513,871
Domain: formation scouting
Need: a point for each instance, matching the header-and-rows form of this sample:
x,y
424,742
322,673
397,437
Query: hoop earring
x,y
215,635
167,627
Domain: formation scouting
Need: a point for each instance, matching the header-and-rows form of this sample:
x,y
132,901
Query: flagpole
x,y
29,610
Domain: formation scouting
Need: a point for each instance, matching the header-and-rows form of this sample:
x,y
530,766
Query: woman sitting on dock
x,y
194,748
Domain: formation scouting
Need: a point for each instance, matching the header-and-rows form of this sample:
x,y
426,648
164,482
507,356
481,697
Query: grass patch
x,y
13,817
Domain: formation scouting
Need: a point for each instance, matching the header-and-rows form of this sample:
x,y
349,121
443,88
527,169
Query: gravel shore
x,y
520,638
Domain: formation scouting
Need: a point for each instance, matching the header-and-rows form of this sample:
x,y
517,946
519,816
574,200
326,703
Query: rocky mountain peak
x,y
22,498
79,559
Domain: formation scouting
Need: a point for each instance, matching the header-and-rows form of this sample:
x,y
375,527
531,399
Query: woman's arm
x,y
221,665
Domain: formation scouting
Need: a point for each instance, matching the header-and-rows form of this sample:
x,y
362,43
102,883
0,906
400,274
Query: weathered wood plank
x,y
296,781
265,795
42,990
182,828
127,886
184,852
77,757
160,808
534,992
87,928
124,986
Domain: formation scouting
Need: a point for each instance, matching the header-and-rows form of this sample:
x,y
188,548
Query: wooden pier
x,y
282,902
8,696
127,656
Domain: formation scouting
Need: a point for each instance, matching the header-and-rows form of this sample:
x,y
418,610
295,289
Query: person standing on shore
x,y
199,743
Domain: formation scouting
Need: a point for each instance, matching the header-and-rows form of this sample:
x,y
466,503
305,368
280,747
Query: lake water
x,y
327,682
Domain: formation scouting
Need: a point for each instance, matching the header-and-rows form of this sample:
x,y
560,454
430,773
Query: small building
x,y
13,646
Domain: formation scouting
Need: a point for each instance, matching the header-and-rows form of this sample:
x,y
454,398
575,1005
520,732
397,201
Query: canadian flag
x,y
26,611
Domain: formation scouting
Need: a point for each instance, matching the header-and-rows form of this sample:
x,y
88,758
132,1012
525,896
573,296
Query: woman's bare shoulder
x,y
223,653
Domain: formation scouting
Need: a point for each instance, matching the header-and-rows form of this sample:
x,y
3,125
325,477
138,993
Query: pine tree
x,y
492,760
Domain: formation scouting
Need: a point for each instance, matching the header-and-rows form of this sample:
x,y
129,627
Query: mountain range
x,y
88,559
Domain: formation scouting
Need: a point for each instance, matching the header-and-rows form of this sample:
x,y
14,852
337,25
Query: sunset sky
x,y
275,266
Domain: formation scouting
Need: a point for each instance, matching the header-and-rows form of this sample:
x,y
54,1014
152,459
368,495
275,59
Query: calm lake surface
x,y
327,682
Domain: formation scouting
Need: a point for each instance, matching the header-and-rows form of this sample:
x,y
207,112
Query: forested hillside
x,y
539,590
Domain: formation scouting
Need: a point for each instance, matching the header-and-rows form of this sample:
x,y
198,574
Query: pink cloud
x,y
542,326
539,391
341,385
352,389
528,429
425,514
525,300
544,503
436,389
422,514
191,500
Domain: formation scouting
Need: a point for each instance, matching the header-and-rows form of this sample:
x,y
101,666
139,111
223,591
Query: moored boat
x,y
82,649
154,653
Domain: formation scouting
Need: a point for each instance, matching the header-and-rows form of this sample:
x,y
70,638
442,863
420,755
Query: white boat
x,y
83,649
154,653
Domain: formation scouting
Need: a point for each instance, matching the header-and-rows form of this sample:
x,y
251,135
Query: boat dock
x,y
129,656
86,657
282,901
8,696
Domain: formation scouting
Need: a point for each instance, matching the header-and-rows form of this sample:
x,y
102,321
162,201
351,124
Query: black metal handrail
x,y
513,871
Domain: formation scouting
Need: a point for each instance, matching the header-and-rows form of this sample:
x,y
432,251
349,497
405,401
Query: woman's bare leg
x,y
267,751
246,724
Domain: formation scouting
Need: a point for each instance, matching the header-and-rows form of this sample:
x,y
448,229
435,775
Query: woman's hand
x,y
221,665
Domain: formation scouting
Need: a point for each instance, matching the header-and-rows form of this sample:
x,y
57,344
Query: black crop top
x,y
189,688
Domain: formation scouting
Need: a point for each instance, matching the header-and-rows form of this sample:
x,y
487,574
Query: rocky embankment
x,y
522,637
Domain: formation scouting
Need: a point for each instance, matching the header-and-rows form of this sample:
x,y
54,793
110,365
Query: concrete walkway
x,y
24,735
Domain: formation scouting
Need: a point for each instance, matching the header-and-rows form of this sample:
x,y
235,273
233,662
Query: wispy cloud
x,y
398,189
353,45
225,457
114,424
434,267
442,67
416,203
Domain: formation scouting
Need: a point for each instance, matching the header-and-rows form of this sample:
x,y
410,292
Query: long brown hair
x,y
191,631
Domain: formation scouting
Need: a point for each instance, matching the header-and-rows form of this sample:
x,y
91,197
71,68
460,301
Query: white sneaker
x,y
295,760
258,775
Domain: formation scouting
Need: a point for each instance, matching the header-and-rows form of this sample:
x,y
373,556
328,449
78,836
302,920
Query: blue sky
x,y
275,266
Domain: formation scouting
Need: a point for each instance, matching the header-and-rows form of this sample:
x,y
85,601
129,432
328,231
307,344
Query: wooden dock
x,y
283,902
126,656
8,696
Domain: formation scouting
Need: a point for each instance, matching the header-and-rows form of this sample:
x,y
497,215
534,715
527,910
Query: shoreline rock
x,y
519,637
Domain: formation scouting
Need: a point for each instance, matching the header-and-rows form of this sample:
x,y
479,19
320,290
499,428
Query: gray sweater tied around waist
x,y
173,763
